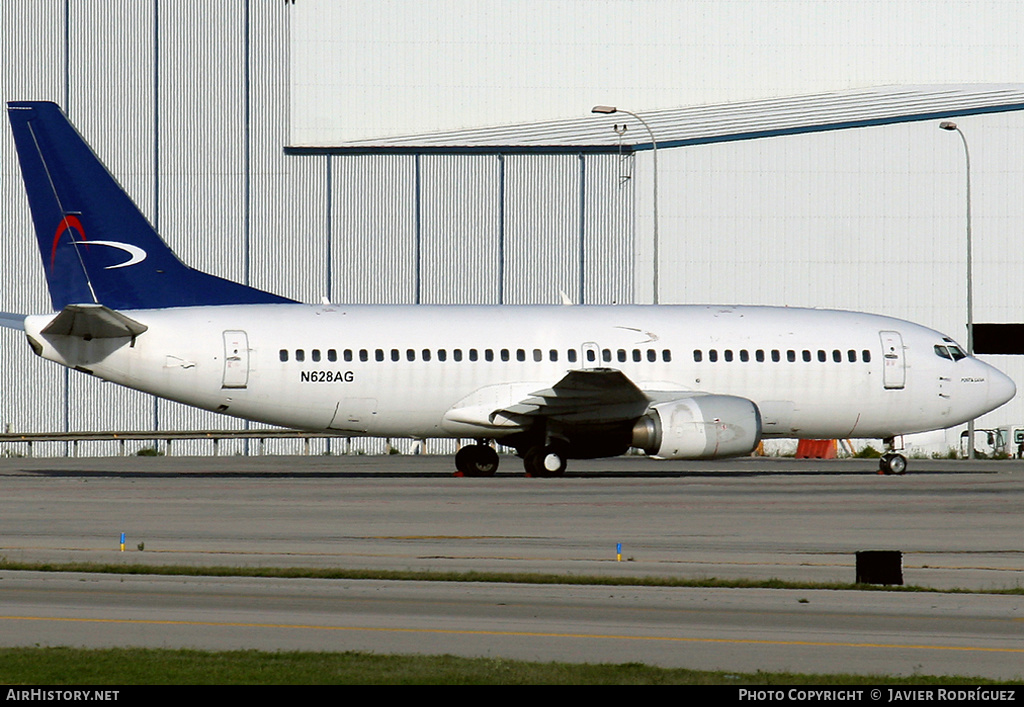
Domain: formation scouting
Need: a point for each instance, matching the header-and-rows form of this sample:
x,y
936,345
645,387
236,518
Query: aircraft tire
x,y
890,463
544,462
897,464
484,461
476,460
530,464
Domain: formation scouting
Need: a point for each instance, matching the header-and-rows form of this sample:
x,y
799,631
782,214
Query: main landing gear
x,y
891,462
481,460
476,460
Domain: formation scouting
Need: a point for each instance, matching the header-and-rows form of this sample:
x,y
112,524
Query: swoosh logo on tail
x,y
66,223
137,254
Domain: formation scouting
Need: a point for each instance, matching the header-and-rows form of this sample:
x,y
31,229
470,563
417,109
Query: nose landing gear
x,y
891,462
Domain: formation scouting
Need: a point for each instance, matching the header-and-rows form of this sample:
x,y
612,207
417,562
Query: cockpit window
x,y
952,352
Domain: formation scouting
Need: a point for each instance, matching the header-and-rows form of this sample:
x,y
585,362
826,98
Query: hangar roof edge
x,y
698,125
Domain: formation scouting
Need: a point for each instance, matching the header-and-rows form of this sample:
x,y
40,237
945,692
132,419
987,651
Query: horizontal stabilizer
x,y
12,321
93,321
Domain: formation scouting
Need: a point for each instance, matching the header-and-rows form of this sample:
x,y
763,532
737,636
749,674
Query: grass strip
x,y
493,577
148,666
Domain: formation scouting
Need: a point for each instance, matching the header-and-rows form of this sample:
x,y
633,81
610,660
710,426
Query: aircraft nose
x,y
1001,388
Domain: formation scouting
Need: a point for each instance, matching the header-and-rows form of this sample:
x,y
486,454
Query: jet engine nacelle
x,y
701,427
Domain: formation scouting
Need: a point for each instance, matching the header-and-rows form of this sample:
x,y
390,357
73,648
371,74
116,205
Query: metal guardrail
x,y
166,436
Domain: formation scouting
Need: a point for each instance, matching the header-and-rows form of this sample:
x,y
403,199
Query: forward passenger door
x,y
894,371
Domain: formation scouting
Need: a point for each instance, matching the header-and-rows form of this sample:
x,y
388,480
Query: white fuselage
x,y
423,371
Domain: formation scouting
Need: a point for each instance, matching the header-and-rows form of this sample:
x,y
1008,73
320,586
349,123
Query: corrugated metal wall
x,y
460,234
36,70
188,106
373,229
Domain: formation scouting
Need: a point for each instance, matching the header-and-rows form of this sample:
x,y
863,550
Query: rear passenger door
x,y
236,360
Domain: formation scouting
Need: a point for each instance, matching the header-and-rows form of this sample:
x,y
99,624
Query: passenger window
x,y
473,355
791,355
698,356
621,355
666,355
395,355
283,355
379,354
442,354
822,356
744,356
570,355
776,356
807,356
866,356
713,355
300,355
364,355
728,355
520,355
538,355
348,354
410,354
591,356
759,355
606,355
426,354
316,354
505,355
637,356
837,355
332,355
851,356
457,354
553,355
488,354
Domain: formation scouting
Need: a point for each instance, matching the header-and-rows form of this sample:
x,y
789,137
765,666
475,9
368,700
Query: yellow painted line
x,y
520,634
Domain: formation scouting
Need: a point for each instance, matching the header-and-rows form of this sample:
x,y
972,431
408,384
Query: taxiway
x,y
958,525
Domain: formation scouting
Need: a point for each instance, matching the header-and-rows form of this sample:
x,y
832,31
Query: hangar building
x,y
333,150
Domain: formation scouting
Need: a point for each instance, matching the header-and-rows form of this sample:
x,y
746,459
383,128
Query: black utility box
x,y
880,567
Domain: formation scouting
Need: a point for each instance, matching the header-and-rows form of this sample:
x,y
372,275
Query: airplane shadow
x,y
434,474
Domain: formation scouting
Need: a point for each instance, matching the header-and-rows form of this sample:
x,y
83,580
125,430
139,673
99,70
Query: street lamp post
x,y
951,126
608,110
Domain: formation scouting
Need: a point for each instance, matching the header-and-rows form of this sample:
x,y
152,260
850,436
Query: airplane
x,y
553,382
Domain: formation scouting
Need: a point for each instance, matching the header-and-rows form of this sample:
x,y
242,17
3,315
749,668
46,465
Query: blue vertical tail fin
x,y
96,245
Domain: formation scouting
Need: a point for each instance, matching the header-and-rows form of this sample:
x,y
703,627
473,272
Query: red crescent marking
x,y
65,223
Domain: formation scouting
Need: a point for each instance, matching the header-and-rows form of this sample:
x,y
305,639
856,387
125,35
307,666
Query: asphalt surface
x,y
958,525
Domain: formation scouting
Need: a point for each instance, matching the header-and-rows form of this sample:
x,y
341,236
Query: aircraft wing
x,y
593,395
12,321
